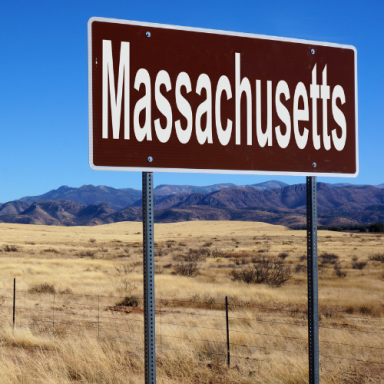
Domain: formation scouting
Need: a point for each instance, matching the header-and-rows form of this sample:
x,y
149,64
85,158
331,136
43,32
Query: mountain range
x,y
118,199
273,202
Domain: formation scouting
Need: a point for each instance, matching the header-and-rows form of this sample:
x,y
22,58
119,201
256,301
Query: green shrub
x,y
187,269
51,250
359,264
338,271
269,271
194,255
42,288
66,291
377,257
10,248
328,258
283,255
128,301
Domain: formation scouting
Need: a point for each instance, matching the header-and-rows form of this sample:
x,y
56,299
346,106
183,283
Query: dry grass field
x,y
78,318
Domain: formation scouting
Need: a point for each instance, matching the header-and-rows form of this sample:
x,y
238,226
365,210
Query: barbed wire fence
x,y
224,330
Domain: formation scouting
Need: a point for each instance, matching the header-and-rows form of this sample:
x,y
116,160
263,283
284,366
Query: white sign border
x,y
217,32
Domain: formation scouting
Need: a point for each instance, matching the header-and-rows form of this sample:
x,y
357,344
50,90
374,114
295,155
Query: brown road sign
x,y
178,99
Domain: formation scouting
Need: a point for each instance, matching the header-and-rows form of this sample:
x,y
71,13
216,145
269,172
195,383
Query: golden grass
x,y
92,342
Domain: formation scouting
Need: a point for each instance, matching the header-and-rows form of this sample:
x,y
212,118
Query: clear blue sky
x,y
43,81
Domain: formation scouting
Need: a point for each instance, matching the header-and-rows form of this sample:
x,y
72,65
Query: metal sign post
x,y
313,305
149,281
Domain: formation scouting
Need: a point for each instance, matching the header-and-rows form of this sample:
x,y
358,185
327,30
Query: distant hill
x,y
89,194
118,199
272,202
290,197
166,189
338,185
268,185
13,207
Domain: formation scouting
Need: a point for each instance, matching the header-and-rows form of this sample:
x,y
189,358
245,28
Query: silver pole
x,y
313,305
149,282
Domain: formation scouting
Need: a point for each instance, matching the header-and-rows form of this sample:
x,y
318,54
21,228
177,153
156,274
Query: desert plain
x,y
79,314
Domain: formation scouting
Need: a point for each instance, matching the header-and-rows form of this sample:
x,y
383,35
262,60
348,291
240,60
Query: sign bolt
x,y
314,165
148,34
312,51
150,159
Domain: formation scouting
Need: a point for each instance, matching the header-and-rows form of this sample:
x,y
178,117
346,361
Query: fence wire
x,y
100,314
